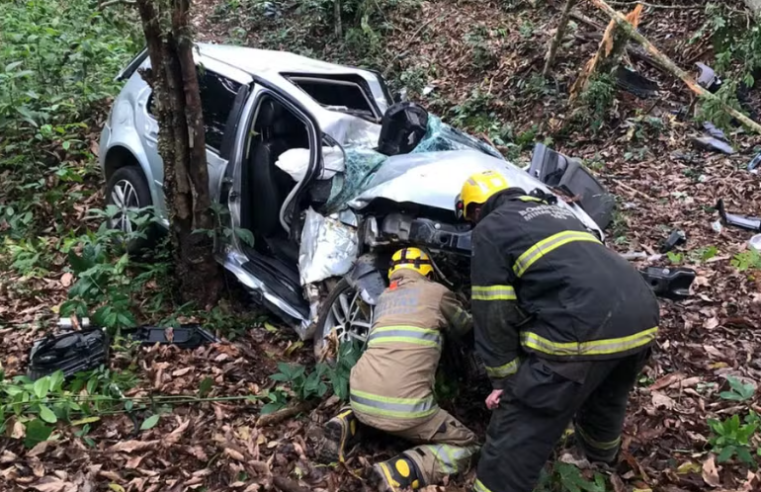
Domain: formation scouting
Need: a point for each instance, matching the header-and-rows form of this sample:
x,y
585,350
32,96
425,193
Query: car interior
x,y
274,256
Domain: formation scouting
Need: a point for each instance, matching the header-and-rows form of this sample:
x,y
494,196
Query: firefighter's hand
x,y
492,401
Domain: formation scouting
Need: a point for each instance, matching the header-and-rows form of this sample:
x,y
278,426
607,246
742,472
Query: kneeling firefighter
x,y
562,324
392,383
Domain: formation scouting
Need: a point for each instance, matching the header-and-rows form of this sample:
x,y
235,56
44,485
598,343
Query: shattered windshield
x,y
365,167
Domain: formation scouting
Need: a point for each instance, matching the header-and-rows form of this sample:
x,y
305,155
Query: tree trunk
x,y
608,56
755,6
182,145
558,38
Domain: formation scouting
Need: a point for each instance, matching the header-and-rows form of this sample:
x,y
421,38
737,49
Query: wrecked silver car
x,y
329,176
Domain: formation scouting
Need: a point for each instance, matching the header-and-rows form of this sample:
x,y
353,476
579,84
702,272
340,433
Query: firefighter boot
x,y
395,475
340,437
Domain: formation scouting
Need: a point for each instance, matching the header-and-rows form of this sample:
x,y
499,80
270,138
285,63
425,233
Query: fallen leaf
x,y
181,372
294,346
134,462
234,454
270,328
660,400
37,467
66,279
710,473
666,381
176,434
7,457
39,448
131,446
116,487
87,420
113,476
711,323
19,430
50,484
688,467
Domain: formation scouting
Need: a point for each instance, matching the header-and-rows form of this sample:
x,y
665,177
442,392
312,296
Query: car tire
x,y
342,299
128,189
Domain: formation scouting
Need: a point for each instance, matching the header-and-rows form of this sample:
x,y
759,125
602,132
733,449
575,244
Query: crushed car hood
x,y
434,179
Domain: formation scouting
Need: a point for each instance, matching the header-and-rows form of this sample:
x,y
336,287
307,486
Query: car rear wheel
x,y
128,191
343,317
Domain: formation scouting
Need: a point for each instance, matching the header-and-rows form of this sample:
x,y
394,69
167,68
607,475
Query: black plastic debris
x,y
712,143
633,82
742,221
559,171
185,336
708,78
671,283
755,162
70,352
676,238
711,129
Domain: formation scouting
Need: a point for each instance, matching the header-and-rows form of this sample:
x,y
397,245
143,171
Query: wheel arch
x,y
119,156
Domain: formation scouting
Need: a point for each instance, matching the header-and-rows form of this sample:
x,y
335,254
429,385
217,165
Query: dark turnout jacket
x,y
543,284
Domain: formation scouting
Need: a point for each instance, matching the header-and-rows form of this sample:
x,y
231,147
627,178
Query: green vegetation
x,y
566,477
595,102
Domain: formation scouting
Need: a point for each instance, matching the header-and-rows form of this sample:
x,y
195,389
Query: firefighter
x,y
391,386
563,325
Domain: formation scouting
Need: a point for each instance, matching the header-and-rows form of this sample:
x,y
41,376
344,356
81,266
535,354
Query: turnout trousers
x,y
539,402
446,446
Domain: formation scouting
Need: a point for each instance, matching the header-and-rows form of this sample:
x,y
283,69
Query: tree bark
x,y
558,38
608,56
182,145
671,66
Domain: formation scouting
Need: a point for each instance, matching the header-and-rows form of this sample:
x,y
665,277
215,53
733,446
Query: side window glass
x,y
217,99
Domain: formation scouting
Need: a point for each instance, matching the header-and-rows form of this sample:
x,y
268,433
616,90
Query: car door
x,y
262,89
223,90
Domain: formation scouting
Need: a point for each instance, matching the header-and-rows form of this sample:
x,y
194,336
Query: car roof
x,y
264,62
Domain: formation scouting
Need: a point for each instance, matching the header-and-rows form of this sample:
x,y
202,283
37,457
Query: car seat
x,y
268,185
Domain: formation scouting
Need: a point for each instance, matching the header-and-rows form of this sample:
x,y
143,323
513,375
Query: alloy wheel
x,y
124,197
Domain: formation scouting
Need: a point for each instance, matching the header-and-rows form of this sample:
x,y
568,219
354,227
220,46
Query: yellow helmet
x,y
412,259
477,189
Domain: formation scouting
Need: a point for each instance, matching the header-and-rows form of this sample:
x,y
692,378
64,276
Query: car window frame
x,y
228,135
338,79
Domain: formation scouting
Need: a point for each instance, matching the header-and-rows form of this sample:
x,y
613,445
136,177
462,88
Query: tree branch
x,y
558,38
669,65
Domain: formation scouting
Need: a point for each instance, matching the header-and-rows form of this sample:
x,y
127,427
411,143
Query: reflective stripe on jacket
x,y
543,283
392,384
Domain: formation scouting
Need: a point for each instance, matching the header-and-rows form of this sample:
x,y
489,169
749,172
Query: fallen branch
x,y
671,67
558,38
283,414
655,6
114,2
287,485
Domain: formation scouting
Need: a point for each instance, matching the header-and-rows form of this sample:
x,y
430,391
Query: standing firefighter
x,y
392,384
563,325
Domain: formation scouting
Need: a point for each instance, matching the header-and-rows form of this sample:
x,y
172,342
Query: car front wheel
x,y
343,317
128,191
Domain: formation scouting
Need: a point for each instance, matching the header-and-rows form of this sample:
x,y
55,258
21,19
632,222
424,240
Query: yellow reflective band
x,y
404,334
526,198
599,445
478,486
392,407
414,341
596,347
545,246
505,370
493,293
361,407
